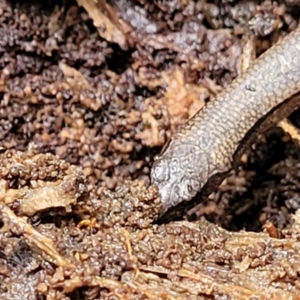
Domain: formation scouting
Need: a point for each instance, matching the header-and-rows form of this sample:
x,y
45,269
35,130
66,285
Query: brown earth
x,y
89,93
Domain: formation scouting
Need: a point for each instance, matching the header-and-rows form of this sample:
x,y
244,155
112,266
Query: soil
x,y
89,94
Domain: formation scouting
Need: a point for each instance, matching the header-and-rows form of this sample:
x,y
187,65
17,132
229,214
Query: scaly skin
x,y
210,143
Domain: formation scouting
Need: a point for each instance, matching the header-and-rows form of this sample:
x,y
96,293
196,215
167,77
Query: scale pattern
x,y
206,145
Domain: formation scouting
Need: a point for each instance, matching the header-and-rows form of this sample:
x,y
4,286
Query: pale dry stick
x,y
32,236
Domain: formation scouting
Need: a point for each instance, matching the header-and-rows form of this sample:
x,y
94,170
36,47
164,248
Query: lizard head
x,y
176,178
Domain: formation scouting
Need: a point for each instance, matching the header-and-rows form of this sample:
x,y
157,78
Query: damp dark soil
x,y
89,93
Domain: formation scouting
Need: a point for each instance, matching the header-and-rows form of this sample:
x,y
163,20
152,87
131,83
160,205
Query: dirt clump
x,y
89,94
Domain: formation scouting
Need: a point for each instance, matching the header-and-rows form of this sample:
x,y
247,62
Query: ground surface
x,y
78,225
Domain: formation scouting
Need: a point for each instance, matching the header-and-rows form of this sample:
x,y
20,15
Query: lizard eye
x,y
190,188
